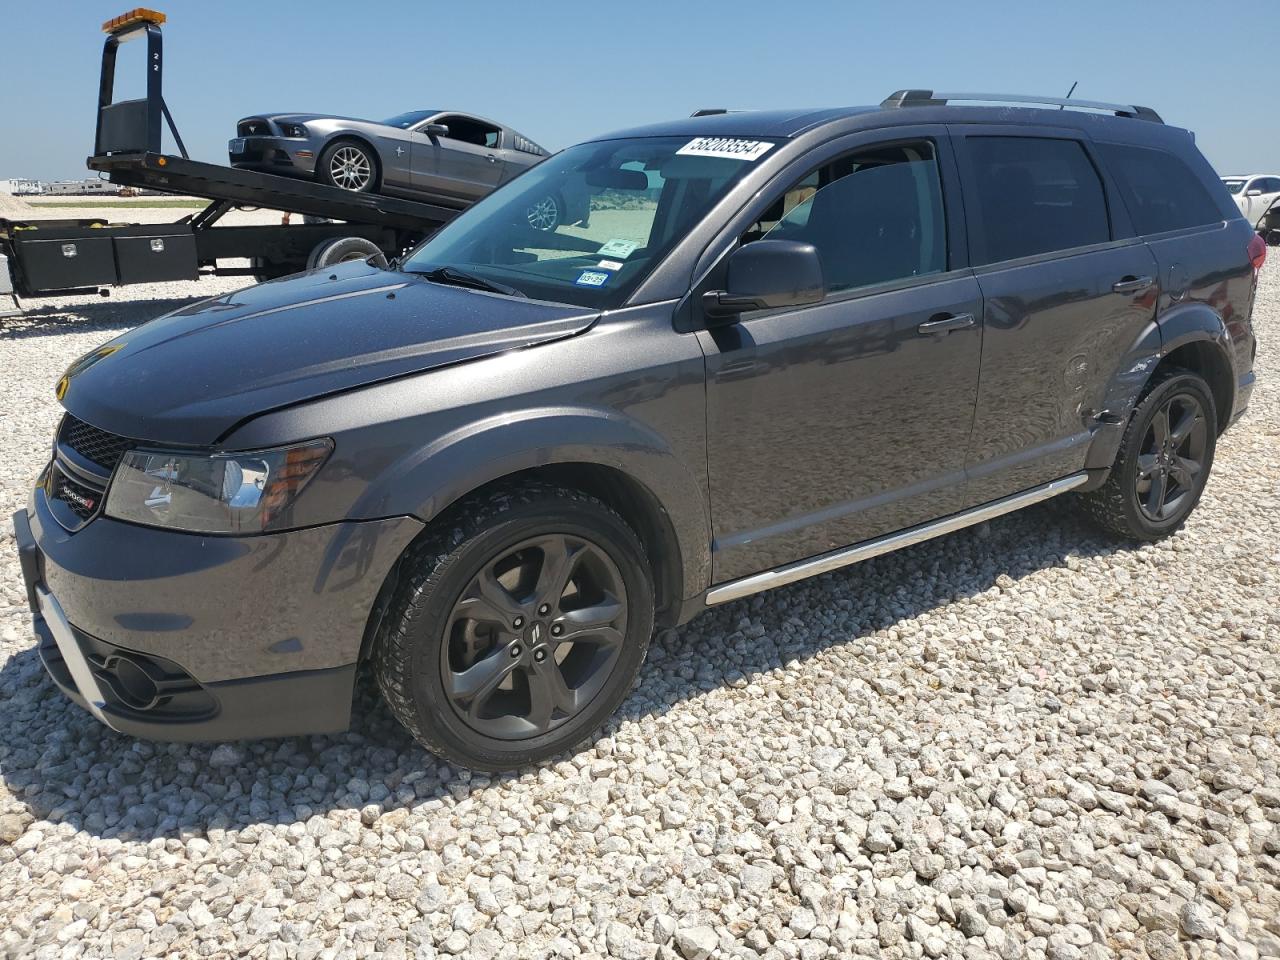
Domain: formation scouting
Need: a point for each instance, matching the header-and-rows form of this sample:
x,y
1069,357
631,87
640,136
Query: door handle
x,y
945,323
1132,284
492,159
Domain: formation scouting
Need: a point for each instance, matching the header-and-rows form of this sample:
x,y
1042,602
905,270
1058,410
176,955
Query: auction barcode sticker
x,y
726,147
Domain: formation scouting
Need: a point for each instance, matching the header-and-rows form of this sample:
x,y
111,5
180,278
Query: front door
x,y
839,422
467,162
1065,297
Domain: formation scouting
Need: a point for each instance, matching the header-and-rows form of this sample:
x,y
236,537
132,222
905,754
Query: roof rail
x,y
927,98
708,112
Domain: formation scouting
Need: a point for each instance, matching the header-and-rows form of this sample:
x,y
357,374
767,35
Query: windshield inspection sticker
x,y
618,248
610,265
592,278
725,147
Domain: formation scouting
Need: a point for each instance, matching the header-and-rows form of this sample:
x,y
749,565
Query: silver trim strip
x,y
72,655
801,569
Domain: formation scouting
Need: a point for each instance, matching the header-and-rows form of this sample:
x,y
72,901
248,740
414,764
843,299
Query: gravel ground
x,y
1021,740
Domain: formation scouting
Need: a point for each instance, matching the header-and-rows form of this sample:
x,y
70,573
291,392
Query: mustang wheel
x,y
1164,460
348,165
516,628
544,214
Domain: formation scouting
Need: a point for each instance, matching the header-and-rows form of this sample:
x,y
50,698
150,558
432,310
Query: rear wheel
x,y
1164,460
344,250
545,213
349,165
517,628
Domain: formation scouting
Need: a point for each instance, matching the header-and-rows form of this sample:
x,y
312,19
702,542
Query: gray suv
x,y
787,341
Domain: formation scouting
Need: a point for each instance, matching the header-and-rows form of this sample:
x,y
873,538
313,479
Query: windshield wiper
x,y
460,278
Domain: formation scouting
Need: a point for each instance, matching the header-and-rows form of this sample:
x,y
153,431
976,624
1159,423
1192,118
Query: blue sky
x,y
563,71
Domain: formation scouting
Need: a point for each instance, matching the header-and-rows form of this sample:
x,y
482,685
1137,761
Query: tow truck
x,y
67,257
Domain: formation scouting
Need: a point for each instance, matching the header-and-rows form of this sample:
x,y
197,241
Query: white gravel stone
x,y
1023,740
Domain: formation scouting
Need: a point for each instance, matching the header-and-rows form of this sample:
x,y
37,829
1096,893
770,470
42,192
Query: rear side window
x,y
1034,195
1161,191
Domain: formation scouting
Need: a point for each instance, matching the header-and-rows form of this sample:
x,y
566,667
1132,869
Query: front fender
x,y
427,481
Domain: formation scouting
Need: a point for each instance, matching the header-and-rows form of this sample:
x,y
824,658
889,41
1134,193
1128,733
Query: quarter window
x,y
874,216
1034,195
1161,191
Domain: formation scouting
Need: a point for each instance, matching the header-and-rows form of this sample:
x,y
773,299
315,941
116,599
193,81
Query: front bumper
x,y
175,636
274,155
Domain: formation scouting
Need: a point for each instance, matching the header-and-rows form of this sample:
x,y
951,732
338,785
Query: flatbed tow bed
x,y
60,257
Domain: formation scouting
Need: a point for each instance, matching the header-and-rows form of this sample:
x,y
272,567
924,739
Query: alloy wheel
x,y
1172,458
350,168
543,214
534,636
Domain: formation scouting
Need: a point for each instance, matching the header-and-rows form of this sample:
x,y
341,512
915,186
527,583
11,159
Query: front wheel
x,y
1164,460
349,165
517,627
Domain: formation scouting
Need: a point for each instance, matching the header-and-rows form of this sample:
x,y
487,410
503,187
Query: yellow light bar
x,y
136,15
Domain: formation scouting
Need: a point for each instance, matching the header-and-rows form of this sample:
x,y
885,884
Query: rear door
x,y
1067,289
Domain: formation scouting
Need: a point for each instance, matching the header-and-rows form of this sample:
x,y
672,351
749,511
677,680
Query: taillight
x,y
1257,251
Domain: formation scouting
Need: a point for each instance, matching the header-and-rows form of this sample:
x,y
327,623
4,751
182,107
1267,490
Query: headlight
x,y
213,493
293,129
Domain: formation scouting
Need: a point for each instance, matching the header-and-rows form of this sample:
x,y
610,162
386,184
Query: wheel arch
x,y
623,464
1193,336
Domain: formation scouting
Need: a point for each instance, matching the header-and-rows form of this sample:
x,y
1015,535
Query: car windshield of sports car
x,y
586,225
411,119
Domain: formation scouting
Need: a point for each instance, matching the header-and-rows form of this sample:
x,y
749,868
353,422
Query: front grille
x,y
253,127
82,500
97,446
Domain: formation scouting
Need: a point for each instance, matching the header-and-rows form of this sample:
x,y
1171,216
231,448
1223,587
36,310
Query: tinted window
x,y
1234,186
1033,196
470,131
1160,189
874,216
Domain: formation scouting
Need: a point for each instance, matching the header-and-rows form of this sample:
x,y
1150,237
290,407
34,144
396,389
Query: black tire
x,y
355,158
416,643
1121,505
265,270
328,253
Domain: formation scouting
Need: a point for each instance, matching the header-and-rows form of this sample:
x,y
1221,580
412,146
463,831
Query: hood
x,y
191,375
303,117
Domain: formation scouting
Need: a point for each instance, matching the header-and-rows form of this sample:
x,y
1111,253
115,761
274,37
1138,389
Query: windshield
x,y
406,120
588,224
1234,186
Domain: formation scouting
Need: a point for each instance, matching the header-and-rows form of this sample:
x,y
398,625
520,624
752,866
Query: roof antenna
x,y
1069,93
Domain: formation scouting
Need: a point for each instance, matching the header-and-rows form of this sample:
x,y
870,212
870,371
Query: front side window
x,y
588,224
1161,191
467,130
1033,195
874,216
1233,186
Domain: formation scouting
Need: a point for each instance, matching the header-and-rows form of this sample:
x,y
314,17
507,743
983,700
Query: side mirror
x,y
436,129
1254,193
768,273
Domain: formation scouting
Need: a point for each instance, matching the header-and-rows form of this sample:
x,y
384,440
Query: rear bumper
x,y
179,637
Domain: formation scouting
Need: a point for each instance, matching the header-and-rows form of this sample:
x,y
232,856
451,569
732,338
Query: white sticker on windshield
x,y
726,147
618,248
610,265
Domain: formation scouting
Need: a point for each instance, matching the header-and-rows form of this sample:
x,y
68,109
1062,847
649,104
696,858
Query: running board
x,y
801,569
